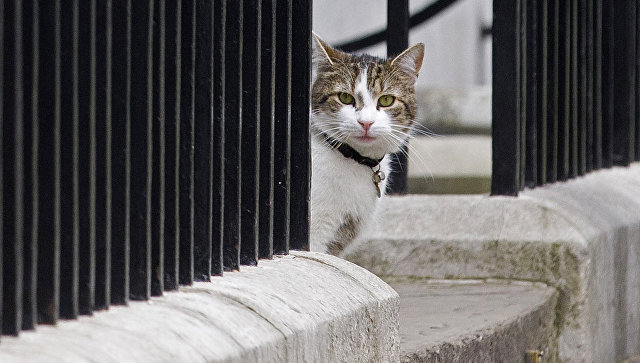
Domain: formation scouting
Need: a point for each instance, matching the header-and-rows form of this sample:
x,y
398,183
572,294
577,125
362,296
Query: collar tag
x,y
377,177
351,153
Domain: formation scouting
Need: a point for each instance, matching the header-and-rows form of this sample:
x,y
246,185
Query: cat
x,y
362,109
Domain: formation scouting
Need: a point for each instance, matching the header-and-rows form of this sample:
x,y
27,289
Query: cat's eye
x,y
345,98
386,100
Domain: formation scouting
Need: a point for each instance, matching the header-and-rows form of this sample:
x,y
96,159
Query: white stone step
x,y
474,320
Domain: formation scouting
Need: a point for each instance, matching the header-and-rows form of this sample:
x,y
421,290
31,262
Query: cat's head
x,y
364,101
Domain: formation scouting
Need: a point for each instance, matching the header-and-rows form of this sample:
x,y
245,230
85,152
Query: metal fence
x,y
566,98
147,144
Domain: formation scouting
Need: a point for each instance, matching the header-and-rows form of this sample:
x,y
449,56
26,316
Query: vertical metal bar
x,y
120,20
86,157
596,137
543,86
250,130
574,132
300,142
203,138
188,41
282,138
141,103
158,163
506,98
13,170
172,65
48,290
531,167
2,122
219,21
586,157
69,160
267,144
18,166
233,132
523,89
553,93
398,41
608,57
587,126
101,52
637,86
564,78
31,133
624,70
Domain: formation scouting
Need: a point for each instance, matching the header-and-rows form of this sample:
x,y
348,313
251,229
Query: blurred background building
x,y
457,54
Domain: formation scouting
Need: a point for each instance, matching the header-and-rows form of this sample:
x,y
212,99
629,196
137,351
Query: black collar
x,y
351,153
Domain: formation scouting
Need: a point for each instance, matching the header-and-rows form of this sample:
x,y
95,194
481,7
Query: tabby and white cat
x,y
362,108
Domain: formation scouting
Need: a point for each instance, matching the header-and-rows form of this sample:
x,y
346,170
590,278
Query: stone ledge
x,y
306,307
474,320
581,237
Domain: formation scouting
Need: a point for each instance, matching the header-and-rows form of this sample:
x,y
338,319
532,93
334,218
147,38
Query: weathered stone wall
x,y
306,307
581,236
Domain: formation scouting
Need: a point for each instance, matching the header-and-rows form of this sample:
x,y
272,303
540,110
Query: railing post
x,y
282,141
624,69
69,124
48,242
251,124
267,127
233,132
300,141
31,132
172,57
86,157
186,107
542,84
158,196
141,128
102,53
12,147
120,149
398,41
203,143
531,35
506,98
219,75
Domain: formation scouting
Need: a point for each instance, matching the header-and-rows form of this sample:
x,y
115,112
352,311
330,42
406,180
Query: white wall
x,y
455,56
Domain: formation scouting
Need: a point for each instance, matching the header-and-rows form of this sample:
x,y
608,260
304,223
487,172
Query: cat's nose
x,y
365,125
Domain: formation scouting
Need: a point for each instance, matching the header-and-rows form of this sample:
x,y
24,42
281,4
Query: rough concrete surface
x,y
581,237
474,320
305,307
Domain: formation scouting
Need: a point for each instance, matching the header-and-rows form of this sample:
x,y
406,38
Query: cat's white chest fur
x,y
364,106
341,190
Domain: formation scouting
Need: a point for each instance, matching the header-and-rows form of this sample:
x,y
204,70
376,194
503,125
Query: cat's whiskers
x,y
413,154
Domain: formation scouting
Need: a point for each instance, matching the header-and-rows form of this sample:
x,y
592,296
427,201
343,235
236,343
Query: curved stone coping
x,y
474,320
581,237
305,307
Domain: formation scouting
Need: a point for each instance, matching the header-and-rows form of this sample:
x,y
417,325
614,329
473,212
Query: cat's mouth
x,y
366,138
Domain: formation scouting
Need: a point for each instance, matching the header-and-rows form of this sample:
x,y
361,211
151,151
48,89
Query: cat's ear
x,y
323,53
410,60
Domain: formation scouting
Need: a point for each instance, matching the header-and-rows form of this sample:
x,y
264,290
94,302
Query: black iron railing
x,y
566,77
147,144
